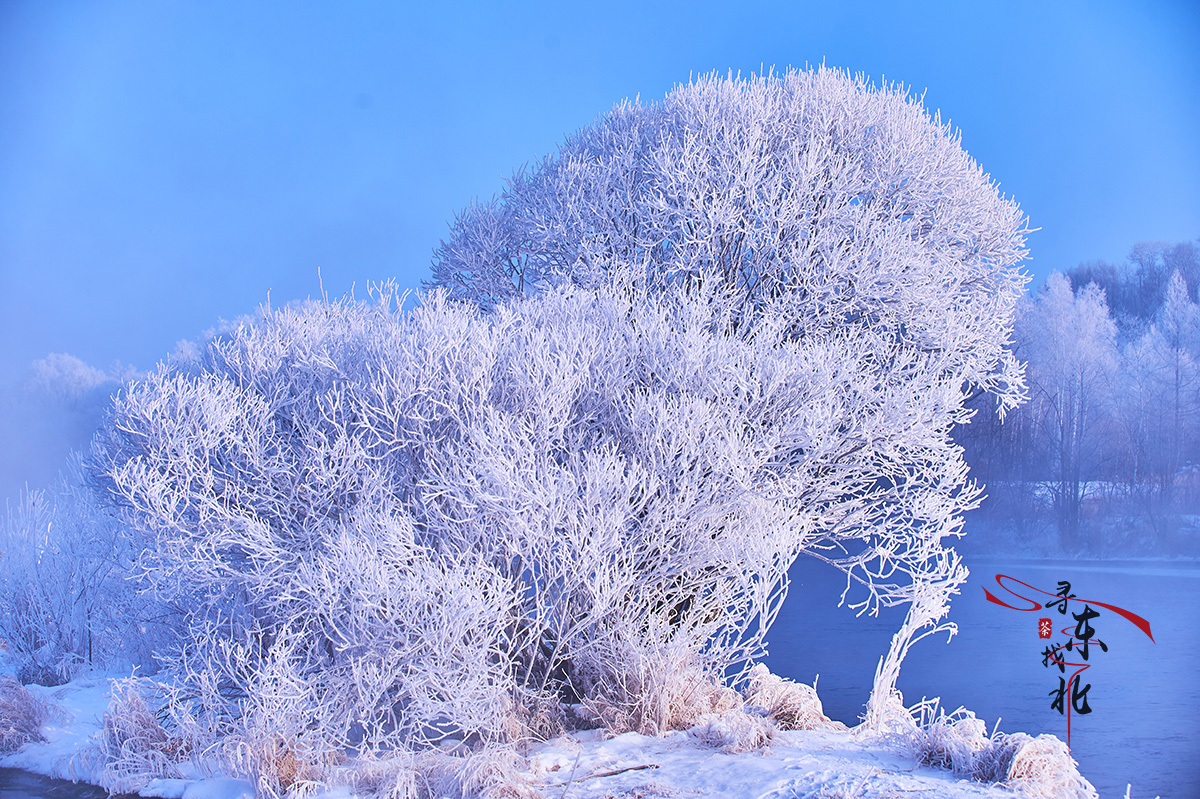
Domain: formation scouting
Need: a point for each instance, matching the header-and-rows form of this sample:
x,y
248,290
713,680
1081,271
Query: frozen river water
x,y
17,784
1144,727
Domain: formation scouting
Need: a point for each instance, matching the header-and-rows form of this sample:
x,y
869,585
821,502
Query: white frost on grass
x,y
823,763
77,709
73,725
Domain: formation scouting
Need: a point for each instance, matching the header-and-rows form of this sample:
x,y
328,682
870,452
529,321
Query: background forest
x,y
1103,460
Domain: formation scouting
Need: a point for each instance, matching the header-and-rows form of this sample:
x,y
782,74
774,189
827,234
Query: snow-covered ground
x,y
77,711
798,764
821,764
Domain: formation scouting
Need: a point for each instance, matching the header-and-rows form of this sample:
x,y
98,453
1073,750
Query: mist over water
x,y
52,411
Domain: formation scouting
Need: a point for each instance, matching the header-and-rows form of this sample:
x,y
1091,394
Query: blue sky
x,y
166,164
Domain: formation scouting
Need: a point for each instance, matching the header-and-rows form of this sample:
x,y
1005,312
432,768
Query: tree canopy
x,y
836,217
709,336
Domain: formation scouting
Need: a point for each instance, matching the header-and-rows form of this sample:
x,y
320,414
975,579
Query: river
x,y
1144,728
17,784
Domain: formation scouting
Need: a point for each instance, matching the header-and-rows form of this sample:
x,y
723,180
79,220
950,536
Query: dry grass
x,y
1042,768
791,705
280,763
541,717
496,773
953,741
21,715
669,694
1038,768
733,731
133,746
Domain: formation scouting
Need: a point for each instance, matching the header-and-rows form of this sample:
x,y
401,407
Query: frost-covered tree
x,y
1140,442
1136,289
1157,404
65,598
440,523
1071,345
848,223
713,335
1179,327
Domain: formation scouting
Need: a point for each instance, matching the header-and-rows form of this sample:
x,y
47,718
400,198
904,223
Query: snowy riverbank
x,y
810,763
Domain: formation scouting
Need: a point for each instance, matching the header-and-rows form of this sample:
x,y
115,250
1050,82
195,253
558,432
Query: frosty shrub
x,y
132,746
21,715
791,705
846,226
65,602
1040,767
282,517
427,524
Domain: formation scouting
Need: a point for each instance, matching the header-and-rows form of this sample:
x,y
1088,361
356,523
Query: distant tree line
x,y
1104,459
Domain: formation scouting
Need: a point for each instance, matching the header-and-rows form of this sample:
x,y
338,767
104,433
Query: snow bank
x,y
801,763
734,754
1039,768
